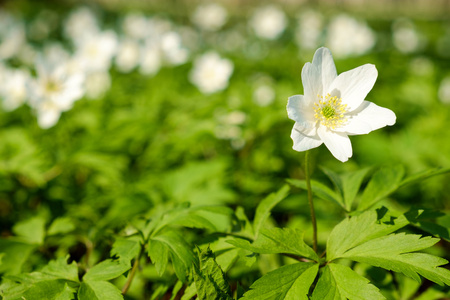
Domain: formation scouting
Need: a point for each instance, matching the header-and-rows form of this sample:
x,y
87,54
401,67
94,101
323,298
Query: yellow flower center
x,y
329,111
52,86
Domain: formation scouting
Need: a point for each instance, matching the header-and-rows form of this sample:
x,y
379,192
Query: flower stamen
x,y
329,111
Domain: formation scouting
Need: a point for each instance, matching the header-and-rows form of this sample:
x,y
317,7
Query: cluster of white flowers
x,y
65,75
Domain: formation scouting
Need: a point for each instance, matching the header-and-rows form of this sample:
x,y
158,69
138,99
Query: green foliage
x,y
338,282
97,290
277,240
116,199
209,278
288,282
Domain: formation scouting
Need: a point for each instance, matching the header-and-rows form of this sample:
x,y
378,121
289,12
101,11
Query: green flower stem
x,y
133,271
310,200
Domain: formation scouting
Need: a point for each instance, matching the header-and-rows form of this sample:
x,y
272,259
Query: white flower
x,y
268,22
12,35
211,16
309,29
79,23
405,37
95,51
151,58
54,91
135,25
264,95
128,55
347,36
211,73
97,84
172,47
13,88
333,107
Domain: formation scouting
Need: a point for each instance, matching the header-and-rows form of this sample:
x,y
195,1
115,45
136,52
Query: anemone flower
x,y
334,107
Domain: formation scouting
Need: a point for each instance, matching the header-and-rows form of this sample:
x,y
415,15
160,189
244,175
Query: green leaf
x,y
209,279
288,282
60,226
51,290
15,253
179,250
277,240
60,269
356,230
436,223
125,249
347,183
266,205
338,282
159,255
391,253
385,181
106,270
424,175
32,230
320,190
98,290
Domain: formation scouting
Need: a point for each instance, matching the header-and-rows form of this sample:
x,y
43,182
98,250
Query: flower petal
x,y
301,113
337,142
48,117
303,142
323,60
368,117
354,85
312,83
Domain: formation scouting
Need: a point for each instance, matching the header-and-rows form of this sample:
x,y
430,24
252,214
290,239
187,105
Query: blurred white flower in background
x,y
211,73
263,95
444,90
405,37
128,55
347,36
210,16
150,59
309,29
94,52
172,47
268,22
97,84
13,89
80,22
12,35
136,26
54,91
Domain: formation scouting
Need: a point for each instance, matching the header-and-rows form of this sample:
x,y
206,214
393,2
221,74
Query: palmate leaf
x,y
277,240
209,279
288,282
392,252
338,282
356,230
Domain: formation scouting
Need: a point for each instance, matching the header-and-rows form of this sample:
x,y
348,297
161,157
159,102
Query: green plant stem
x,y
310,200
133,271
